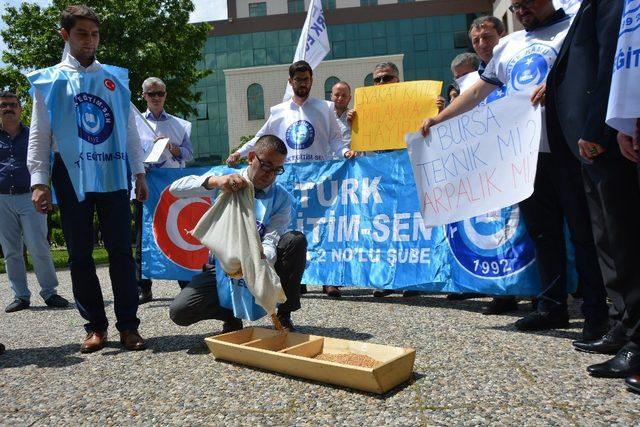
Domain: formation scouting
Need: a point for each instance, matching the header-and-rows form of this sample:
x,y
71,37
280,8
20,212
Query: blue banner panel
x,y
364,228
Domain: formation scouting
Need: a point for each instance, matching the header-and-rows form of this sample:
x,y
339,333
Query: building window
x,y
255,102
405,1
295,6
258,9
368,2
202,112
368,81
328,85
328,4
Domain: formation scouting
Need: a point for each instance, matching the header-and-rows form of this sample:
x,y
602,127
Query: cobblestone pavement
x,y
470,369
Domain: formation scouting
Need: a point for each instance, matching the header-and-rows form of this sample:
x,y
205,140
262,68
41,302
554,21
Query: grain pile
x,y
361,360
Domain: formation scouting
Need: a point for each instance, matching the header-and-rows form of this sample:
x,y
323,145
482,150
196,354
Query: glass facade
x,y
328,4
427,44
295,6
368,2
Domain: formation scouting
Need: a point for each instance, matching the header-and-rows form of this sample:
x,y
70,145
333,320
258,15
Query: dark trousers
x,y
613,194
114,216
559,195
143,284
199,299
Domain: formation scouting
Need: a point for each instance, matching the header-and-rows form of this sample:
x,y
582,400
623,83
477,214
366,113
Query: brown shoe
x,y
131,340
94,341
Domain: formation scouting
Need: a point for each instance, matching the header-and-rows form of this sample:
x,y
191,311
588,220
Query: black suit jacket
x,y
579,81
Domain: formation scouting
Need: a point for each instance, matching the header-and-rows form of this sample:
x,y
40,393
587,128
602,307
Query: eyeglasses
x,y
265,167
384,78
9,105
525,4
159,94
301,80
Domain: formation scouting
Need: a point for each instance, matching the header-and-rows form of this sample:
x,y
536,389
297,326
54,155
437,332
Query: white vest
x,y
522,61
173,128
624,99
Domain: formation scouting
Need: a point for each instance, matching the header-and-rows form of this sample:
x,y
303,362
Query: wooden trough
x,y
294,354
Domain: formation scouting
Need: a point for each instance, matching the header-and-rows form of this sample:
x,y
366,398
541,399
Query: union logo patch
x,y
94,117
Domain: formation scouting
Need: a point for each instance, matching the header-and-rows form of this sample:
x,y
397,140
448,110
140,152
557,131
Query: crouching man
x,y
285,250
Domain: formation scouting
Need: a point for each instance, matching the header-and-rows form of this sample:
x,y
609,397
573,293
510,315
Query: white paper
x,y
156,151
477,162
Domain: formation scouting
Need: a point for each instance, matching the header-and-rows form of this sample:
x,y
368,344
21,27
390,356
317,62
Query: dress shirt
x,y
42,141
169,126
13,160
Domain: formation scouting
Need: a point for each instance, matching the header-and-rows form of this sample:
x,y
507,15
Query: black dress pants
x,y
613,194
558,196
114,216
199,299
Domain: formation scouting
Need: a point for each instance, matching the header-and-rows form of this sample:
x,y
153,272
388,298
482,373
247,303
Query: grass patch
x,y
61,257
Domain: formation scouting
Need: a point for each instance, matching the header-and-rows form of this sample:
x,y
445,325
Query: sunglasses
x,y
159,94
386,78
265,167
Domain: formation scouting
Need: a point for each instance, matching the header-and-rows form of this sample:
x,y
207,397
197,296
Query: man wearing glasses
x,y
21,223
521,61
285,250
157,123
306,124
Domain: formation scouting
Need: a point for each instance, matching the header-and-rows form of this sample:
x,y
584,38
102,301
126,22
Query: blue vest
x,y
89,113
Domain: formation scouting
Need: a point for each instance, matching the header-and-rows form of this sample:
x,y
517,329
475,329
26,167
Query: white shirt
x,y
42,141
522,60
310,131
276,220
176,129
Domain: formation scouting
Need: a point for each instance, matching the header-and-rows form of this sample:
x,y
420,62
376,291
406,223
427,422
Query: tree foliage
x,y
148,37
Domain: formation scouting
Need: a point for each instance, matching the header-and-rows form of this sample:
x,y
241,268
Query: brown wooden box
x,y
293,354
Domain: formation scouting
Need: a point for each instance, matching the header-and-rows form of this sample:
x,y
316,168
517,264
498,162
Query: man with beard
x,y
21,223
521,61
81,117
306,124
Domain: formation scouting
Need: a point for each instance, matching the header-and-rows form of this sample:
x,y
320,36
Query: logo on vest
x,y
109,84
300,135
94,117
171,220
493,245
529,67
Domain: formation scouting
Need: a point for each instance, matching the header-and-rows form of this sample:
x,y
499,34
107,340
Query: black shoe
x,y
463,296
17,305
232,325
501,306
625,363
332,291
56,301
610,343
145,296
285,321
410,294
541,321
382,293
633,383
594,330
303,289
2,349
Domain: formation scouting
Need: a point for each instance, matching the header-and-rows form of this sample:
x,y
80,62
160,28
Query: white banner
x,y
478,162
624,99
313,44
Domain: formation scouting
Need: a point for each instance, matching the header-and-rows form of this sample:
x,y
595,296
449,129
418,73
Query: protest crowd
x,y
87,144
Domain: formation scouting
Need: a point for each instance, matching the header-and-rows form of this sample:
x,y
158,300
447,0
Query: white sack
x,y
229,230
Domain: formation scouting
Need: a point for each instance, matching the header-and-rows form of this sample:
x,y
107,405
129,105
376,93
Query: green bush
x,y
57,238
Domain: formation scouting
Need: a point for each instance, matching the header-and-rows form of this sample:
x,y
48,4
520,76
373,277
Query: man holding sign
x,y
521,62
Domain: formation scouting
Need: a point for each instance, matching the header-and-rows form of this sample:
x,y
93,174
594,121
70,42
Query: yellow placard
x,y
385,113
